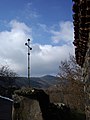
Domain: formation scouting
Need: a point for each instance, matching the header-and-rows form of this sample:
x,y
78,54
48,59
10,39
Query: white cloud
x,y
45,59
12,48
65,33
48,57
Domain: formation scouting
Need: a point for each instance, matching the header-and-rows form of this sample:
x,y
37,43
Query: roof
x,y
81,21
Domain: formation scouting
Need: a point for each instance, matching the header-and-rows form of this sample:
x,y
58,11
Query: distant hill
x,y
37,82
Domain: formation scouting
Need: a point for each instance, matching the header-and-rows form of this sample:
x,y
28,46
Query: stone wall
x,y
28,110
86,75
81,17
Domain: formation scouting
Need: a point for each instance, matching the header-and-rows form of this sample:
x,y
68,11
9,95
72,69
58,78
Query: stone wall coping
x,y
6,98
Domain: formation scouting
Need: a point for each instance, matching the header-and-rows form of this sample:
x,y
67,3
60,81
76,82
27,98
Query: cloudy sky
x,y
48,23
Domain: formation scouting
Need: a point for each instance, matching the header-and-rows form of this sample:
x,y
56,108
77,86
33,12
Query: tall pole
x,y
29,48
29,61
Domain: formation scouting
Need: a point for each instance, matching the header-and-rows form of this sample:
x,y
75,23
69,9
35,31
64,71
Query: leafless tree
x,y
8,74
71,74
7,80
69,70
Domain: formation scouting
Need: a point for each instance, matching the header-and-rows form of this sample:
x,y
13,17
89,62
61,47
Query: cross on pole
x,y
29,48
